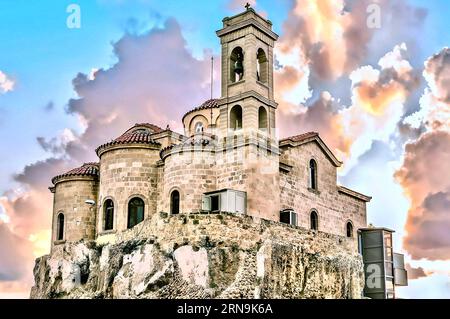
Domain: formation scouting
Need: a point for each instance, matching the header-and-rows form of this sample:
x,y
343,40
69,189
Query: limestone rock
x,y
226,257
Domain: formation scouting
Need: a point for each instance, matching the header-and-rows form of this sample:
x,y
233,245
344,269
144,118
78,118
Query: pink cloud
x,y
156,79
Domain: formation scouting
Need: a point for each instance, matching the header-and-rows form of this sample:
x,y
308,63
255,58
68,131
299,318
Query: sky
x,y
375,86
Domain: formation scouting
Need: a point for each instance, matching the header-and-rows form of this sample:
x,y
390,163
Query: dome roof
x,y
138,134
87,169
151,127
208,104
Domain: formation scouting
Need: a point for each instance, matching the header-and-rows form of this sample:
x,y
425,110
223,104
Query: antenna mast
x,y
212,75
212,79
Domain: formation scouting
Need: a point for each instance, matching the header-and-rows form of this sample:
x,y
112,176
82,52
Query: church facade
x,y
228,159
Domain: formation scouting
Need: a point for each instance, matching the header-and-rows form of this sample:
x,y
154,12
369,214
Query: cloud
x,y
334,38
423,175
29,211
415,273
14,249
419,174
156,79
322,31
331,38
49,106
428,188
434,112
155,73
435,286
377,105
437,73
322,116
376,90
57,145
14,289
6,83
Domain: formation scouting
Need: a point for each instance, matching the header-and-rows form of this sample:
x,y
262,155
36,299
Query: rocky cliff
x,y
203,256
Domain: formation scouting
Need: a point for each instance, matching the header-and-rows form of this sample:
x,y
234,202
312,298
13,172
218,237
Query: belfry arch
x,y
236,65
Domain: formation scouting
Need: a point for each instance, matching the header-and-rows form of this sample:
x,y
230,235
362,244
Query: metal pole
x,y
212,79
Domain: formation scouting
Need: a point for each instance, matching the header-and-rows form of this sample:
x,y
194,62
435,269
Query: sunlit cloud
x,y
424,181
6,83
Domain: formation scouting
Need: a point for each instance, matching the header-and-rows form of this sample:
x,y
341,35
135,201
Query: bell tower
x,y
247,101
247,158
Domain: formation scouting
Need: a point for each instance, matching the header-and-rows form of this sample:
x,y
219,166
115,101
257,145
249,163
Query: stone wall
x,y
204,256
250,118
241,164
126,173
334,209
246,167
79,218
192,173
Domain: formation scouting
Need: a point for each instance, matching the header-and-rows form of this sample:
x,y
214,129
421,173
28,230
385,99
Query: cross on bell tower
x,y
247,6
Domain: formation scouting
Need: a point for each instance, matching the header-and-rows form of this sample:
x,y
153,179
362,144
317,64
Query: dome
x,y
138,134
208,104
87,169
148,126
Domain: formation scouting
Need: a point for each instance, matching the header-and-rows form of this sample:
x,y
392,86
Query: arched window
x,y
60,227
198,127
312,174
135,211
314,219
236,65
236,117
262,118
262,67
349,229
175,202
109,214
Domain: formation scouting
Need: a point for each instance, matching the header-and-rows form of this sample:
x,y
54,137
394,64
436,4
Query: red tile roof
x,y
152,127
138,134
208,104
87,169
309,137
301,137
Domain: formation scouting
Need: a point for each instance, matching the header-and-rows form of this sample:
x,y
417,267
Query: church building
x,y
228,159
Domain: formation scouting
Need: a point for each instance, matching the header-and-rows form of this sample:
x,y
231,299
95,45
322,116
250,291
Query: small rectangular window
x,y
285,217
226,200
288,217
215,203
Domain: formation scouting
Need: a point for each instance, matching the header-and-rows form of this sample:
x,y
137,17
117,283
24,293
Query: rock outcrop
x,y
203,256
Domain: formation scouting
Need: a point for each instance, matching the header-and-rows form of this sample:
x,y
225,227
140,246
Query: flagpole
x,y
212,80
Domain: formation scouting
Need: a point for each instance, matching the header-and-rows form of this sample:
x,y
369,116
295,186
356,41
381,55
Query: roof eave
x,y
354,194
116,145
316,138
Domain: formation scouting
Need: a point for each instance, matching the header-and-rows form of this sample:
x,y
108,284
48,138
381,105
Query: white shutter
x,y
232,201
240,202
206,203
224,202
293,218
